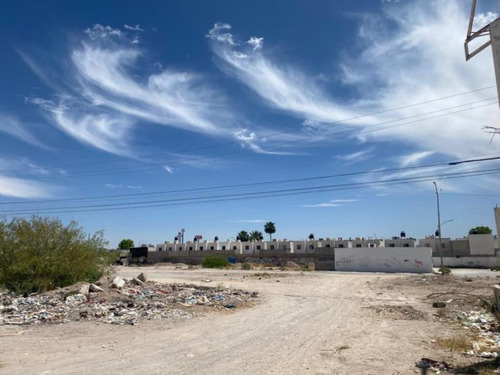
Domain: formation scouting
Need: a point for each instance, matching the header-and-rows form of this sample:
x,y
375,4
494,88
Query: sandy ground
x,y
302,323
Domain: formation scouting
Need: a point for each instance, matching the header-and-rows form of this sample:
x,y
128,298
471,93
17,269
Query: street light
x,y
439,227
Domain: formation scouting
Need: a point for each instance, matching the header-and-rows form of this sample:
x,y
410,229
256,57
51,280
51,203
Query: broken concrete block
x,y
94,288
136,281
118,283
496,293
142,276
84,289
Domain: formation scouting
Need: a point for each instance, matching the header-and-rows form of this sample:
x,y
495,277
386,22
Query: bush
x,y
246,266
40,254
215,261
445,270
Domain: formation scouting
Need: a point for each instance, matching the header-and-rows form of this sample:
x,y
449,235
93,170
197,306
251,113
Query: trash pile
x,y
117,301
487,329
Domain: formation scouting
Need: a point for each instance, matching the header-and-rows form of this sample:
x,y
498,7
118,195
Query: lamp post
x,y
439,227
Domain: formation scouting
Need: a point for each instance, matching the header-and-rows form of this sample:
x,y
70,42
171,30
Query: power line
x,y
280,133
473,160
252,184
251,195
368,129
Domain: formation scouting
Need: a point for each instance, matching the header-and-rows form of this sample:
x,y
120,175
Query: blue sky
x,y
184,108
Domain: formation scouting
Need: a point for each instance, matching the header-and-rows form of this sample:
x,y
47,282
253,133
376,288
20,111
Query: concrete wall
x,y
467,262
384,259
481,244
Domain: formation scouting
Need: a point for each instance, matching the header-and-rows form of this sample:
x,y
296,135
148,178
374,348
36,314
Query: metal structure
x,y
471,35
492,32
439,227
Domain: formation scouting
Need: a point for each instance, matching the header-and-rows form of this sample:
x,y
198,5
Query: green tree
x,y
480,230
126,244
270,229
255,235
40,254
243,236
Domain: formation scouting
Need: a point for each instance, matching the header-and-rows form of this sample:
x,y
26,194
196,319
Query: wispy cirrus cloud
x,y
119,186
10,125
399,61
108,99
24,188
414,158
357,156
331,203
280,85
103,96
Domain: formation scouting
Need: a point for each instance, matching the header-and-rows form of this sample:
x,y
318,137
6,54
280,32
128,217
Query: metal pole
x,y
439,227
471,18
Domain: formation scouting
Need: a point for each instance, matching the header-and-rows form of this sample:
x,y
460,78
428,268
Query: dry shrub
x,y
456,343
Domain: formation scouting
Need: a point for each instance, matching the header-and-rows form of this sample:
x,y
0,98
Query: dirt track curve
x,y
310,323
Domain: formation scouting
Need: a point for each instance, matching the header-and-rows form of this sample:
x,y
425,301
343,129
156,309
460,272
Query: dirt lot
x,y
302,323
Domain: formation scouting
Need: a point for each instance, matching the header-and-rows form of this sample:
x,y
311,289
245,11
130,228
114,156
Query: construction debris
x,y
118,283
117,302
487,328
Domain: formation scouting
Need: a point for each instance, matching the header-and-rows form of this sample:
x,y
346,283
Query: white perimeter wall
x,y
384,259
467,262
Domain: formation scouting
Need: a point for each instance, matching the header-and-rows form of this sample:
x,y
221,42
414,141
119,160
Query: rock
x,y
136,281
142,276
96,289
439,305
118,283
488,355
84,289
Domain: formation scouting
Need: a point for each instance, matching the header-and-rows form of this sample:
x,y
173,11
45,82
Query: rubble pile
x,y
117,301
487,329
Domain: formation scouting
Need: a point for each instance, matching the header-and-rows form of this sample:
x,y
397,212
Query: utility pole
x,y
439,228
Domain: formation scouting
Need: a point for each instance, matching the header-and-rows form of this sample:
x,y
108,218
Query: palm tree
x,y
269,228
311,237
243,236
255,235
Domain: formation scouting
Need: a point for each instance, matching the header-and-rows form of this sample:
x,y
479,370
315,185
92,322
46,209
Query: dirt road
x,y
303,323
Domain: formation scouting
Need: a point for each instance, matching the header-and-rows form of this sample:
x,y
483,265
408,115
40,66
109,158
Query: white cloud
x,y
483,19
100,130
13,127
414,158
119,186
24,188
331,203
102,32
108,100
357,157
133,28
256,43
400,60
168,169
220,32
279,85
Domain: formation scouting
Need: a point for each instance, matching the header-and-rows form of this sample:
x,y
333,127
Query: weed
x,y
215,261
445,270
457,343
246,266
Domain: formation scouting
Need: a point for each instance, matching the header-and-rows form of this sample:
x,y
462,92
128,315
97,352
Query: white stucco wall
x,y
384,259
